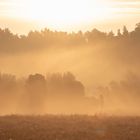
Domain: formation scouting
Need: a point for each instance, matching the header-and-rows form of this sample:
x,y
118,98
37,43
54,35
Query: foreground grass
x,y
74,127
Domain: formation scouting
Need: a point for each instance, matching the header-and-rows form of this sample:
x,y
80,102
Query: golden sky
x,y
69,15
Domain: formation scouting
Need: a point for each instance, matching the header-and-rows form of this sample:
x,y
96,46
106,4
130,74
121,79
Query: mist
x,y
76,73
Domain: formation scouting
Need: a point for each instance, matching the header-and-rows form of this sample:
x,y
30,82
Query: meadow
x,y
69,127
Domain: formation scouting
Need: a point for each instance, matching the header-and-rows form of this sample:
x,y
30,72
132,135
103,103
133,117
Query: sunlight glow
x,y
64,12
68,15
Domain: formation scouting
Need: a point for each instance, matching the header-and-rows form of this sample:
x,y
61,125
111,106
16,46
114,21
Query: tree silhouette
x,y
35,92
64,86
125,31
38,40
119,33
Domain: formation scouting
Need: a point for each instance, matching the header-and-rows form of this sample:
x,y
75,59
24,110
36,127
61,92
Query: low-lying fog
x,y
101,77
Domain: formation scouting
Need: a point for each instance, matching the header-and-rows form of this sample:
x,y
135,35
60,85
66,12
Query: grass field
x,y
75,127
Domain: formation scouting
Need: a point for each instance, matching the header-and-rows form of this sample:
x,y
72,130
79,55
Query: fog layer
x,y
106,66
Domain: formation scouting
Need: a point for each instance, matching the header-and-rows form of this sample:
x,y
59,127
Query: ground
x,y
74,127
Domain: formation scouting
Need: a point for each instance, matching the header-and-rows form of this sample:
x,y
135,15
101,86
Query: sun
x,y
64,12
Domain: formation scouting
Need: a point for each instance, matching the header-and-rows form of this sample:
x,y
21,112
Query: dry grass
x,y
75,127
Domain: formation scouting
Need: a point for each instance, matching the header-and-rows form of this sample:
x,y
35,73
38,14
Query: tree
x,y
119,33
64,86
110,34
125,31
35,92
137,27
73,88
68,76
7,83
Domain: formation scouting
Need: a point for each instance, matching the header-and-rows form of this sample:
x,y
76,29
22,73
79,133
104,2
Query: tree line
x,y
45,38
34,91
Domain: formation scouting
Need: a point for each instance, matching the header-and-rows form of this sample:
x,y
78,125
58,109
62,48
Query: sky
x,y
21,16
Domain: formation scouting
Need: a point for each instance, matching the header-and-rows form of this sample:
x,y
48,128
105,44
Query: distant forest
x,y
32,93
35,40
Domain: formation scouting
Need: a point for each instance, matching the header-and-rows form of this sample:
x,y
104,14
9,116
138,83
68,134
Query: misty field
x,y
75,127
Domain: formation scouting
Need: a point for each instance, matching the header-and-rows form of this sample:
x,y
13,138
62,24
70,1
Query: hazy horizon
x,y
21,16
82,54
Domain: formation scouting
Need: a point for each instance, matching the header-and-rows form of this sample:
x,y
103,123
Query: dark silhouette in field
x,y
122,95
